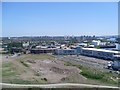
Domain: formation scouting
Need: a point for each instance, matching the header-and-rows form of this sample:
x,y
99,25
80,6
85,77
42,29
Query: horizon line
x,y
59,35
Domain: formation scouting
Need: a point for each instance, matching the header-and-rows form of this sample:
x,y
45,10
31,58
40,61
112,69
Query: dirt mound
x,y
60,71
31,61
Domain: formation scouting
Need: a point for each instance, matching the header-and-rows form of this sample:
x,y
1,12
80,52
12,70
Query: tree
x,y
13,44
73,40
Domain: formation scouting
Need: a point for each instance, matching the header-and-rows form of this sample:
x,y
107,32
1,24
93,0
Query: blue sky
x,y
52,19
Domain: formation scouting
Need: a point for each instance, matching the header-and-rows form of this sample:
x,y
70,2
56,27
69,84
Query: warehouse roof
x,y
43,49
102,50
117,56
66,49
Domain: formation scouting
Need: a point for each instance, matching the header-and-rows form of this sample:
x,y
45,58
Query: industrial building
x,y
65,51
39,51
99,53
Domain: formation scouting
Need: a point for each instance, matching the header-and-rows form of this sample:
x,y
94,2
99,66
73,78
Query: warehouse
x,y
65,51
99,53
38,51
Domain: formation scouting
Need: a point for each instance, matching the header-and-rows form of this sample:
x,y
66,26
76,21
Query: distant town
x,y
105,47
61,57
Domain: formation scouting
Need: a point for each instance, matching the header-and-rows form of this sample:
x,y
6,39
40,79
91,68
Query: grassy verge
x,y
24,81
8,72
18,81
7,69
94,74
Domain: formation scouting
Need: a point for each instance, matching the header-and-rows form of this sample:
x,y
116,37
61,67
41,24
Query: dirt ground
x,y
40,69
86,61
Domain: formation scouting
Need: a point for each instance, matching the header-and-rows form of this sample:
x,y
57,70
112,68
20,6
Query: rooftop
x,y
117,56
103,50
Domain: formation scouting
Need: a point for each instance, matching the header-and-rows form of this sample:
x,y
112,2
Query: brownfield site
x,y
45,68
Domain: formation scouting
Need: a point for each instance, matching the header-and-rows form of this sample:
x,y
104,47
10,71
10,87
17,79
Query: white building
x,y
83,44
43,47
99,53
96,42
112,39
25,44
117,46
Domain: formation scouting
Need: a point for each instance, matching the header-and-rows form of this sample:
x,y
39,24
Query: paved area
x,y
62,85
85,61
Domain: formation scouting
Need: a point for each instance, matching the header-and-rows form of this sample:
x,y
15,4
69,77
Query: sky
x,y
59,19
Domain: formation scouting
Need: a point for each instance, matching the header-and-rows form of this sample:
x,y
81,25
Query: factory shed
x,y
39,51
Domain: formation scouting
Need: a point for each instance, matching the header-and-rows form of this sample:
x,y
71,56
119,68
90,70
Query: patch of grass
x,y
18,81
97,75
7,69
6,64
91,74
8,73
68,64
22,81
94,73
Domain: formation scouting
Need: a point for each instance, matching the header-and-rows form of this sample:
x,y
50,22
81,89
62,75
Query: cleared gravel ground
x,y
38,69
85,61
44,68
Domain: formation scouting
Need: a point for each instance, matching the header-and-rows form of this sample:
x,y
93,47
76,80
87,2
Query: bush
x,y
45,79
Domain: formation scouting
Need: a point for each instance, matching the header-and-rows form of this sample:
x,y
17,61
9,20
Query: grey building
x,y
99,53
65,51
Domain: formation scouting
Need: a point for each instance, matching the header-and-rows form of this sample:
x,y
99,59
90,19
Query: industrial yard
x,y
48,68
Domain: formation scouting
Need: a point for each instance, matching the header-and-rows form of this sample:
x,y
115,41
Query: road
x,y
59,85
